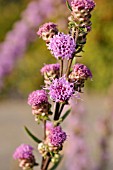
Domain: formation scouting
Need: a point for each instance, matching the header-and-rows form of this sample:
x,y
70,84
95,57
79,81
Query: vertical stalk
x,y
70,60
58,109
68,67
43,160
44,129
61,109
57,106
76,37
61,68
46,163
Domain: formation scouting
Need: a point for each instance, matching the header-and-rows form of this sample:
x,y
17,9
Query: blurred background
x,y
22,55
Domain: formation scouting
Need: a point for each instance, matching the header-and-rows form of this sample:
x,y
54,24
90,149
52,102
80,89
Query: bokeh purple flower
x,y
62,46
17,40
76,151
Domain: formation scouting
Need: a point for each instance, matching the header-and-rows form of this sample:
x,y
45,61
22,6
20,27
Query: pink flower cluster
x,y
37,97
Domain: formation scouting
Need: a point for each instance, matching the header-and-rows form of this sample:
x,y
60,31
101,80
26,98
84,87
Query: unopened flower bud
x,y
80,19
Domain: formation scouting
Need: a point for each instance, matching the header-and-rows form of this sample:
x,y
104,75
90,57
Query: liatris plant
x,y
61,82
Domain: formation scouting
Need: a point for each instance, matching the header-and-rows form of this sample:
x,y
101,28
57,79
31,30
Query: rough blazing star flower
x,y
81,10
57,136
50,72
50,68
39,101
82,71
83,4
47,31
24,154
37,97
80,16
79,74
61,90
62,46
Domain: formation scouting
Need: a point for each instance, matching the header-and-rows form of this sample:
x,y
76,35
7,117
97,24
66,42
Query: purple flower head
x,y
57,136
47,31
82,71
62,46
87,5
50,68
23,152
37,97
61,90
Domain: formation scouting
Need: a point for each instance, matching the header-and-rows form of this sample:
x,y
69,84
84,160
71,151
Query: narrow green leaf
x,y
65,115
69,7
31,135
57,163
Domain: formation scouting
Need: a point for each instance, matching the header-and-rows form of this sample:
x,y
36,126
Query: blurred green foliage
x,y
98,53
